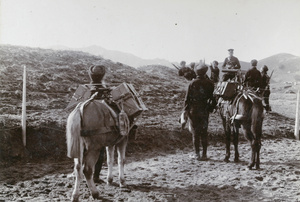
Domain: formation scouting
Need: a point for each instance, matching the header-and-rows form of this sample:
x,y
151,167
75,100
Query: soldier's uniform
x,y
230,62
214,76
199,101
253,77
265,87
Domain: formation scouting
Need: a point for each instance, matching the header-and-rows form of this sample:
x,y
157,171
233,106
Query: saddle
x,y
97,117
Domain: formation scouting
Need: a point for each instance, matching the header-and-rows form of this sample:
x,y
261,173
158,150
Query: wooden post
x,y
24,108
297,117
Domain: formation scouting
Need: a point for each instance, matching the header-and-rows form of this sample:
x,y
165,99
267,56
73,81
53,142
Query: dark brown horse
x,y
90,127
246,112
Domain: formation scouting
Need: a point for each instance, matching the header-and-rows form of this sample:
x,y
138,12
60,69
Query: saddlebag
x,y
128,99
226,90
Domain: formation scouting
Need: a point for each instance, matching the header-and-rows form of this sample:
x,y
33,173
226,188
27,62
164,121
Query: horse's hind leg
x,y
78,176
121,149
236,142
98,166
227,140
90,158
110,162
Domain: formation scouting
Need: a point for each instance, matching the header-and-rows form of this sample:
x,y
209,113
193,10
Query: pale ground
x,y
173,177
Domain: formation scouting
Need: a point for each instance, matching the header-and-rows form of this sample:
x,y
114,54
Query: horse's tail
x,y
74,140
257,117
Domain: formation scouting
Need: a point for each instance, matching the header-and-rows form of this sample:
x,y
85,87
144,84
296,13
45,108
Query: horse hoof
x,y
226,160
109,181
123,185
257,168
75,198
204,158
99,181
96,195
250,167
236,160
195,156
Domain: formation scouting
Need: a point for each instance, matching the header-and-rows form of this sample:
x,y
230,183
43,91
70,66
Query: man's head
x,y
264,68
230,52
182,63
96,73
192,65
201,69
215,63
253,63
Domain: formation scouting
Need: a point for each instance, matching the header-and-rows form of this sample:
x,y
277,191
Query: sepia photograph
x,y
150,100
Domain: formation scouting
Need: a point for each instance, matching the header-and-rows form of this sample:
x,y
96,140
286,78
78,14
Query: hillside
x,y
120,57
286,67
53,77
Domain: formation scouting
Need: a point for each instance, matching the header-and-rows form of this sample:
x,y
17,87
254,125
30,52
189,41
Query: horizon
x,y
170,30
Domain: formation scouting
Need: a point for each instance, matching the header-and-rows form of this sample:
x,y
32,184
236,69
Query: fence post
x,y
297,117
24,108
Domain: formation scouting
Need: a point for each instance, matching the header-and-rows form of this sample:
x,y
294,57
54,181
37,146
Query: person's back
x,y
214,76
253,77
265,77
265,87
197,107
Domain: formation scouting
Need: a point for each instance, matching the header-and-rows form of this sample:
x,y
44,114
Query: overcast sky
x,y
170,29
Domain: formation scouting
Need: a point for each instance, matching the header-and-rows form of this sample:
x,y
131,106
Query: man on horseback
x,y
265,87
199,102
252,77
230,62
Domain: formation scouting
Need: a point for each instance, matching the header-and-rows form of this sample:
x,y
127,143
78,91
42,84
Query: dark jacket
x,y
214,76
200,94
253,78
265,80
232,63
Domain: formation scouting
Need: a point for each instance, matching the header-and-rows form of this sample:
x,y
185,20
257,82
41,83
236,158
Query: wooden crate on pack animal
x,y
226,90
126,95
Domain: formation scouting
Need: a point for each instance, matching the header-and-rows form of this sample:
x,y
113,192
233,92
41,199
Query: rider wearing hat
x,y
265,87
230,62
199,102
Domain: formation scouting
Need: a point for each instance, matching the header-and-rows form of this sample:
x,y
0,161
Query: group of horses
x,y
244,111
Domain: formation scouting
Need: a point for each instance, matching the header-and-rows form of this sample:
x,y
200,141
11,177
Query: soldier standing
x,y
199,102
214,76
252,76
265,87
230,62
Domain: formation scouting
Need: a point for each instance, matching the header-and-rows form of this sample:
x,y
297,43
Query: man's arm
x,y
238,65
187,99
225,62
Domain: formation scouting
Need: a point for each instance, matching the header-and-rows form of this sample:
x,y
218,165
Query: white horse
x,y
90,127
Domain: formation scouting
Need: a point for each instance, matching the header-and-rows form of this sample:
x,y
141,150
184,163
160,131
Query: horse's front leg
x,y
257,154
121,149
78,177
253,153
90,159
110,163
236,142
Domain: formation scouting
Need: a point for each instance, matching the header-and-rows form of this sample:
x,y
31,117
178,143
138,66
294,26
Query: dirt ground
x,y
169,176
